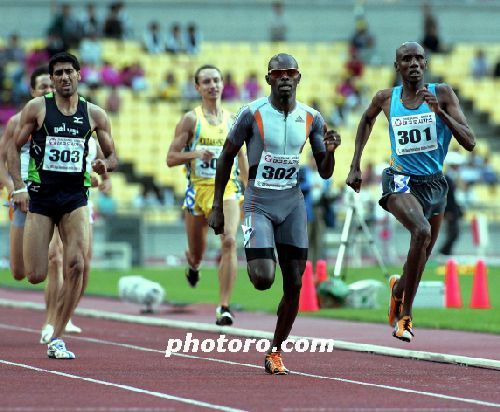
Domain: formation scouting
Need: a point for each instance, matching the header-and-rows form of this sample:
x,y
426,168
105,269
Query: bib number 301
x,y
415,134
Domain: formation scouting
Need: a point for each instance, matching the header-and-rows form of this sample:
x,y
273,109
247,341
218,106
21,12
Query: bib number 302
x,y
278,173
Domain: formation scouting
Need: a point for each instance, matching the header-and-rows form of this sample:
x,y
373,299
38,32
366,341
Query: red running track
x,y
123,367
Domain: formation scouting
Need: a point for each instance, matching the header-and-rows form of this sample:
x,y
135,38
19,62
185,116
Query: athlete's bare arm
x,y
446,105
184,132
105,184
31,120
243,166
224,166
99,121
379,102
5,141
326,160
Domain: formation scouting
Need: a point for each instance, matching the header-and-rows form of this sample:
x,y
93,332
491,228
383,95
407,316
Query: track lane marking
x,y
229,330
125,387
183,355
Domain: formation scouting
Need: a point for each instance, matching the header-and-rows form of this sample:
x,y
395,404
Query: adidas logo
x,y
299,120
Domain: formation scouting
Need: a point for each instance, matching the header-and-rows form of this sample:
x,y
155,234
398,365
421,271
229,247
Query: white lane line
x,y
249,333
125,387
183,355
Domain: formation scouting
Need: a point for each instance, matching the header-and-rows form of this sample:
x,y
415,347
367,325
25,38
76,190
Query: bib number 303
x,y
63,154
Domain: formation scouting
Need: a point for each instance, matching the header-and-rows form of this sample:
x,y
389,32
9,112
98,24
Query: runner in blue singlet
x,y
275,130
422,118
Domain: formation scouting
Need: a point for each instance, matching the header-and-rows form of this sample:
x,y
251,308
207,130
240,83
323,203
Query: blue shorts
x,y
55,202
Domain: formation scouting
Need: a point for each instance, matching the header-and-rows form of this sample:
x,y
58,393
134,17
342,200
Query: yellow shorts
x,y
199,198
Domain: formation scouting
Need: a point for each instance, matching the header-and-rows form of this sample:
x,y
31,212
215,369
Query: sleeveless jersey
x,y
274,141
91,155
207,137
419,138
59,150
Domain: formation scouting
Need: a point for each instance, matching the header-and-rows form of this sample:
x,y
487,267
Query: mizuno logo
x,y
77,120
299,120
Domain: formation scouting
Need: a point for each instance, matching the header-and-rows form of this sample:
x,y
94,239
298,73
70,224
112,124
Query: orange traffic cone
x,y
308,301
453,297
321,272
480,296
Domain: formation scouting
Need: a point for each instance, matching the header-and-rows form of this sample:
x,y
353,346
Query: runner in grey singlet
x,y
274,205
275,130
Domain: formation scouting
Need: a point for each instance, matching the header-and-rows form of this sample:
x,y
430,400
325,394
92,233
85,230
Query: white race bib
x,y
64,154
277,171
207,169
415,134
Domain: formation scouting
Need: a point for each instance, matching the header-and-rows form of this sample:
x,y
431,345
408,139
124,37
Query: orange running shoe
x,y
403,329
274,364
394,303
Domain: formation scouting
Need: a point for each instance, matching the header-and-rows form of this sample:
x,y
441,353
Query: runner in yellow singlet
x,y
198,141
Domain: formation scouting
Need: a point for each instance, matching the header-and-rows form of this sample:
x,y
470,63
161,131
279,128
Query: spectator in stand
x,y
362,40
315,105
113,25
251,88
90,23
193,39
169,88
453,211
113,101
90,75
106,205
349,94
488,173
278,26
431,40
13,51
479,65
36,58
134,76
67,27
109,75
230,91
55,44
153,41
188,91
174,39
91,50
355,65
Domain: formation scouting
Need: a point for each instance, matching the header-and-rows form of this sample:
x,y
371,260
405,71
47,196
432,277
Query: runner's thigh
x,y
37,234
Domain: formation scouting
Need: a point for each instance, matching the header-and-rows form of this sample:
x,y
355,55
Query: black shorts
x,y
429,190
55,202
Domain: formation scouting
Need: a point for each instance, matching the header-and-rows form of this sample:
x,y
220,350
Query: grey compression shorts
x,y
275,218
429,190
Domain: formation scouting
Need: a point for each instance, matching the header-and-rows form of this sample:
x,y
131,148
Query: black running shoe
x,y
192,276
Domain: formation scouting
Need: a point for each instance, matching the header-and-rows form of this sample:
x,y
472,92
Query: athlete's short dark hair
x,y
205,66
63,57
39,71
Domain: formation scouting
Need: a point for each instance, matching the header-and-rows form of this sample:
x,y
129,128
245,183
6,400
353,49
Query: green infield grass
x,y
245,297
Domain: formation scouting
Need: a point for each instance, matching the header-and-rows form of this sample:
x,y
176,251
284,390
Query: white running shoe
x,y
72,328
57,350
47,332
223,316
